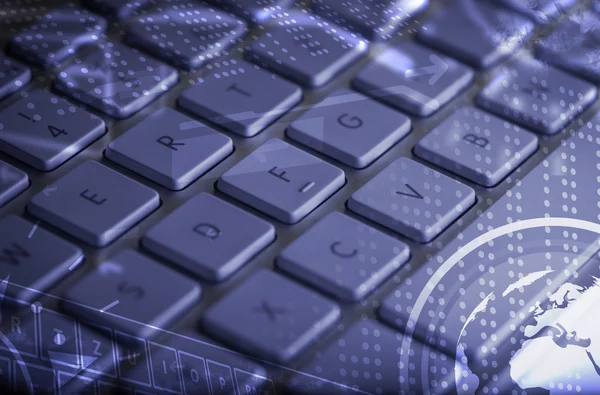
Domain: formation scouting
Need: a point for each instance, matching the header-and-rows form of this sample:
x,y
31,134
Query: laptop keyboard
x,y
277,196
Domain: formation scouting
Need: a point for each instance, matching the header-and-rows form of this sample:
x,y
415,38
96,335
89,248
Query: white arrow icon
x,y
436,70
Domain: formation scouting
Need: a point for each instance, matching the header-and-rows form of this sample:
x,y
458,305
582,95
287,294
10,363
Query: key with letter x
x,y
271,316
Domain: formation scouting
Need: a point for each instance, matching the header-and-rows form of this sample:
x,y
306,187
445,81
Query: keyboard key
x,y
258,11
540,97
487,296
13,76
209,237
57,36
116,9
241,97
413,78
271,317
170,148
97,349
343,257
45,131
337,127
116,80
542,11
22,332
39,380
88,203
32,258
134,288
12,182
195,354
185,34
133,360
477,146
60,348
306,49
58,339
374,359
373,19
574,45
412,199
282,181
487,35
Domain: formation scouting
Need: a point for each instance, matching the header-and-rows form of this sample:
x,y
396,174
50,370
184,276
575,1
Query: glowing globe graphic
x,y
555,349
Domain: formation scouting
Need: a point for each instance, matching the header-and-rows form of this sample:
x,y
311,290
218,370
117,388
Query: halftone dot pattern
x,y
17,13
412,199
413,78
488,307
538,96
478,146
542,11
13,76
373,19
44,130
257,11
487,34
186,34
57,36
365,357
306,48
343,256
574,45
240,96
116,79
281,318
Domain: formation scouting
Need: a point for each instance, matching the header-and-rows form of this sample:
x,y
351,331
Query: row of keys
x,y
68,353
312,52
526,291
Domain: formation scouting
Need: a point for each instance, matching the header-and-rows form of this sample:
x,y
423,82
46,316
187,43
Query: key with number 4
x,y
45,131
